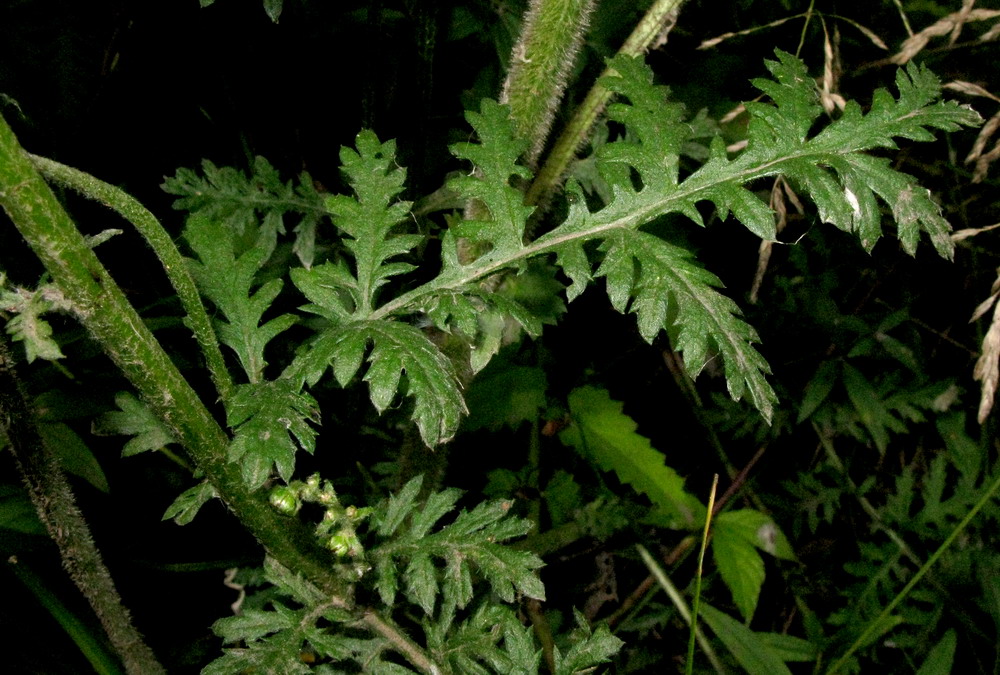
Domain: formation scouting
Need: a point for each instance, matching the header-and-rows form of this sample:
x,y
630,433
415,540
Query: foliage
x,y
377,350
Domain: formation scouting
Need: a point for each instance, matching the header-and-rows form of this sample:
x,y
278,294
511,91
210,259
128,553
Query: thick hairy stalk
x,y
540,65
100,306
57,509
163,246
656,23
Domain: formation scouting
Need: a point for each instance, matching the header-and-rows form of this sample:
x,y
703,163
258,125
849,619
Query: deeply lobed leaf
x,y
272,420
397,348
228,279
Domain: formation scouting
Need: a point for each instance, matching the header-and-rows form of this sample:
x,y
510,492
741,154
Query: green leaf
x,y
187,505
602,432
275,640
818,388
134,418
397,348
495,158
241,203
749,651
227,280
271,421
439,559
871,408
370,217
504,394
590,649
480,317
673,292
17,513
740,565
942,656
788,648
736,536
27,325
398,507
73,454
273,9
253,624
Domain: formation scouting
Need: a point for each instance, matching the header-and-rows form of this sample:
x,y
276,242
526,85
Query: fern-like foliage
x,y
923,506
347,298
227,276
473,541
411,550
271,421
228,196
658,281
27,325
665,288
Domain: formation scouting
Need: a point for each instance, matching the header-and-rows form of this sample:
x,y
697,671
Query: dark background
x,y
130,91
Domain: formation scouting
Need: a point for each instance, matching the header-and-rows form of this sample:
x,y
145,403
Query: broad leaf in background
x,y
757,653
942,657
604,434
736,538
228,280
73,454
505,394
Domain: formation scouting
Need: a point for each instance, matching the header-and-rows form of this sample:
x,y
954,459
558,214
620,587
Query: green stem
x,y
163,246
56,506
675,597
102,308
689,668
540,66
88,641
657,21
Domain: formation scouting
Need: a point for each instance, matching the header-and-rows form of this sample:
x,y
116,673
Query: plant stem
x,y
657,21
53,499
400,642
102,308
90,642
163,246
540,65
689,667
675,596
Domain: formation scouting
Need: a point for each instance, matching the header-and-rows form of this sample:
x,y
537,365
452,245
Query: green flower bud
x,y
284,500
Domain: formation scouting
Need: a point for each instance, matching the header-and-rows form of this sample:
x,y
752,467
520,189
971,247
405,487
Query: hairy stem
x,y
653,27
540,66
400,642
102,308
53,499
162,244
